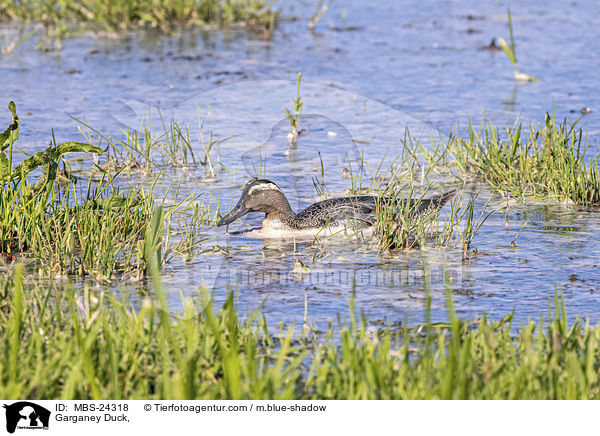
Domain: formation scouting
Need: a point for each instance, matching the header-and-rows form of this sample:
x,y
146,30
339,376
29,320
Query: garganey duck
x,y
354,211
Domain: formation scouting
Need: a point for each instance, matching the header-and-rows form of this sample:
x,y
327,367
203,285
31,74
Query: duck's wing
x,y
419,205
354,211
434,203
358,210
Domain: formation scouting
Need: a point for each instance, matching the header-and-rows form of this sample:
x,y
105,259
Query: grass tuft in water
x,y
151,153
399,224
539,161
402,188
58,18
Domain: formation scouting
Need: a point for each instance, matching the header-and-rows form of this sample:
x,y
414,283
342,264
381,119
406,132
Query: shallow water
x,y
397,66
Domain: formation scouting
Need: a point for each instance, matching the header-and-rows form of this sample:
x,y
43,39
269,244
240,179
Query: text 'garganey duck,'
x,y
353,211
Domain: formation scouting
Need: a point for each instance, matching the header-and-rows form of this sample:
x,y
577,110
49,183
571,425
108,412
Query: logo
x,y
26,415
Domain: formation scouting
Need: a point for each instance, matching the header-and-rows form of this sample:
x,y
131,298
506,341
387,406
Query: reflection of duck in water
x,y
355,211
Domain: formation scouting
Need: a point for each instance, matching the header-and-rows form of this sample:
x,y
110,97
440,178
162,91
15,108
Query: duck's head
x,y
259,196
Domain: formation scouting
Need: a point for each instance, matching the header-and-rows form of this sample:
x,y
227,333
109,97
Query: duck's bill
x,y
238,211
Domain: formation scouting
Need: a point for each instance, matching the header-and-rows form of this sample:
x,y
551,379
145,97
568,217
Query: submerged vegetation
x,y
59,343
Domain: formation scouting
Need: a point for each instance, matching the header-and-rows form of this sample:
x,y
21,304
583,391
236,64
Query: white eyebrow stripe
x,y
264,187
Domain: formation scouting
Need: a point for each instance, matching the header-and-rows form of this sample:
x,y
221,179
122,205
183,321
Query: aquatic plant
x,y
511,53
295,119
320,10
96,231
142,150
11,44
179,151
61,17
400,222
68,344
539,161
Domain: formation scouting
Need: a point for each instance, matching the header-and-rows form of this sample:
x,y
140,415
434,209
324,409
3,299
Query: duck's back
x,y
358,211
353,211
